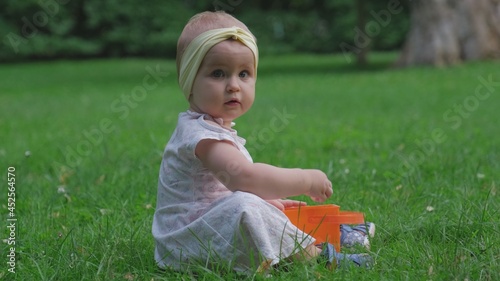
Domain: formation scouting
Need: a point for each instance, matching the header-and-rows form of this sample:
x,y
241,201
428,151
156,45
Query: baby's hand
x,y
321,187
282,204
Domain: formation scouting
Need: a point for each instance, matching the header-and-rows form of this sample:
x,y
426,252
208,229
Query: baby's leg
x,y
334,259
351,235
308,253
261,233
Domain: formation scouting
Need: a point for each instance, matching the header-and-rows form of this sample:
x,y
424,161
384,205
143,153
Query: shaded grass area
x,y
416,150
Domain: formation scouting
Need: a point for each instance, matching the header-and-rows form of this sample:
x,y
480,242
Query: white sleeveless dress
x,y
197,219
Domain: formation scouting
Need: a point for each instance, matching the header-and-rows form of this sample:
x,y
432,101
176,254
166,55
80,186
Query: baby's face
x,y
224,86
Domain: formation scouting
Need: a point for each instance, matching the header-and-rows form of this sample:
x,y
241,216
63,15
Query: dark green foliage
x,y
59,29
49,29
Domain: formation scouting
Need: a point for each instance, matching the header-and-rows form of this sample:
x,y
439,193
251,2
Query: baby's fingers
x,y
292,203
329,189
319,199
316,199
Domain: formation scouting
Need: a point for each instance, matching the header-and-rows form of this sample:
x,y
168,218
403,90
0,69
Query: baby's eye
x,y
244,74
217,73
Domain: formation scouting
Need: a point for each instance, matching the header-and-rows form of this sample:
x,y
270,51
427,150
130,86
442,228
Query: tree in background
x,y
323,26
379,25
69,29
446,32
48,29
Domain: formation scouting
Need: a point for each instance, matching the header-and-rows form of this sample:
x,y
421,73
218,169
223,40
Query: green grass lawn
x,y
416,150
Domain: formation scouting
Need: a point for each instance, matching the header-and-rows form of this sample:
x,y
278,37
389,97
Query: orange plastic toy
x,y
323,222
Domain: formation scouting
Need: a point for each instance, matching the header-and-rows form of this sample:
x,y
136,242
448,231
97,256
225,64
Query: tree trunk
x,y
446,32
361,23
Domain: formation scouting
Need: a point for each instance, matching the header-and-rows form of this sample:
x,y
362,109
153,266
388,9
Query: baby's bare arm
x,y
231,167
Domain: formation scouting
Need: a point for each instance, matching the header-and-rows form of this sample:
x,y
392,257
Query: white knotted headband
x,y
199,47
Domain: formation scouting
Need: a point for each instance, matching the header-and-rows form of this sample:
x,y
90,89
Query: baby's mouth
x,y
232,102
